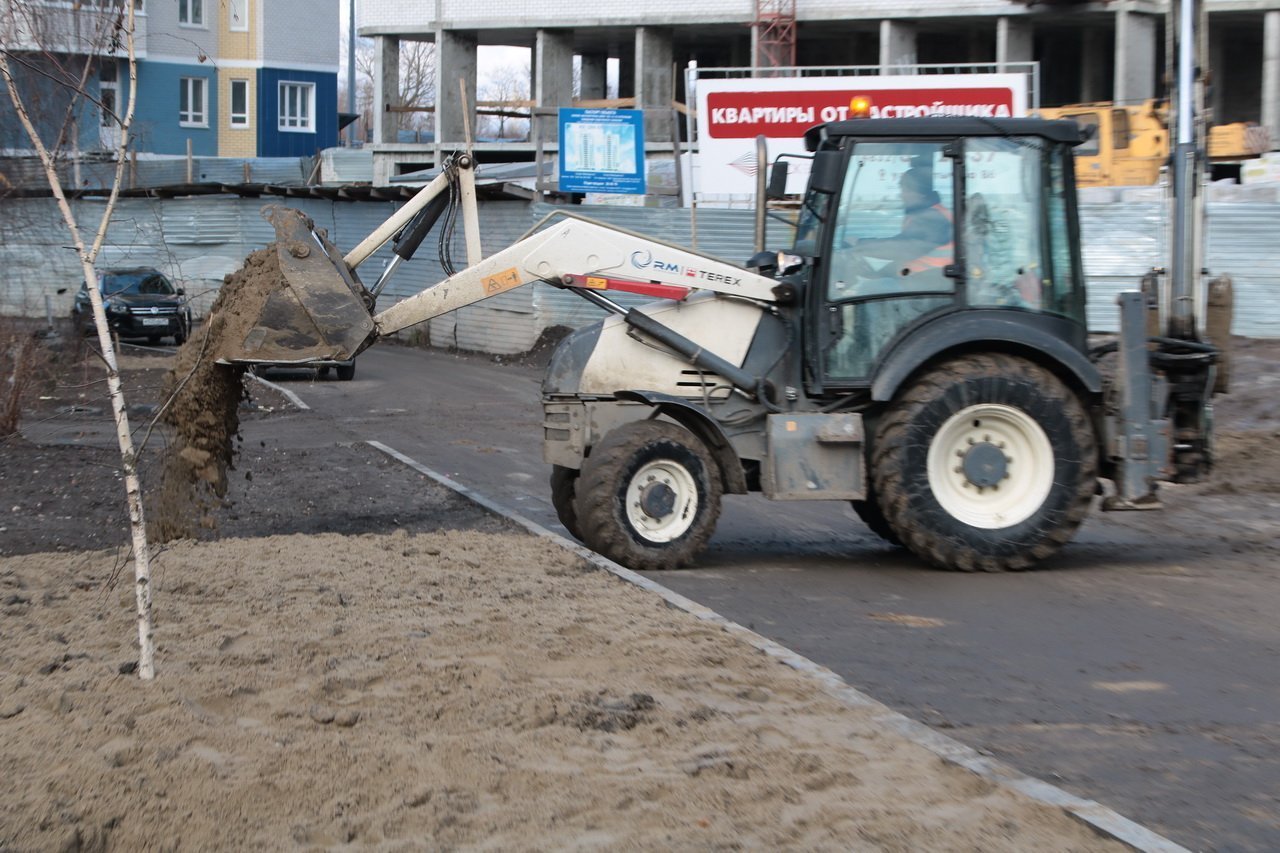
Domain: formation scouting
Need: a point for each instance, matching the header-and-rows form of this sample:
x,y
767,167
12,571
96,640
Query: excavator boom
x,y
322,312
581,254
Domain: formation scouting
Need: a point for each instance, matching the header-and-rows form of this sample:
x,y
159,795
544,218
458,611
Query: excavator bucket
x,y
317,311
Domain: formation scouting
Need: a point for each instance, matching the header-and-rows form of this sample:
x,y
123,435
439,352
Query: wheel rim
x,y
991,466
662,501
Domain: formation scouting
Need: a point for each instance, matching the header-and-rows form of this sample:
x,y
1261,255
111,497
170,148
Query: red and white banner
x,y
732,112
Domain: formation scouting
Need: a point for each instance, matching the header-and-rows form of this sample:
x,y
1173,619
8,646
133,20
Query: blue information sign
x,y
602,151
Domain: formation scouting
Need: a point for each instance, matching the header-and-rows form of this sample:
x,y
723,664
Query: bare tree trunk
x,y
88,256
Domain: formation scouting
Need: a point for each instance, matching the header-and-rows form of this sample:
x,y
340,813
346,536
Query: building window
x,y
238,15
191,102
239,103
108,92
191,13
298,107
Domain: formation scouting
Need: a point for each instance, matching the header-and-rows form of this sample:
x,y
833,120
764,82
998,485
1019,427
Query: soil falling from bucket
x,y
206,396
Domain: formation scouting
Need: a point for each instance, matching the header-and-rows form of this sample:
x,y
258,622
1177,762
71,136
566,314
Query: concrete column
x,y
1013,41
1093,81
1135,56
897,45
455,58
386,88
654,85
1271,76
553,75
593,76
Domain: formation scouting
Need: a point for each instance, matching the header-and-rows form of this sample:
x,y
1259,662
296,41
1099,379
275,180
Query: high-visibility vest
x,y
936,258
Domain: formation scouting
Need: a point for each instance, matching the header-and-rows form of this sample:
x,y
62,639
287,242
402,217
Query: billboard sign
x,y
733,111
602,151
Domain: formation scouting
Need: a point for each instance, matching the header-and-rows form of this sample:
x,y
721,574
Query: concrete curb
x,y
1102,819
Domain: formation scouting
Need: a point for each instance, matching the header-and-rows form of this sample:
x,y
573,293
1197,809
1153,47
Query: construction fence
x,y
199,240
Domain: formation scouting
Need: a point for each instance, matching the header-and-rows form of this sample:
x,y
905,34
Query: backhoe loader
x,y
920,351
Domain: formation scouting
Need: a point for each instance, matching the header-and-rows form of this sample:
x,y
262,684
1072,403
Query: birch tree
x,y
102,29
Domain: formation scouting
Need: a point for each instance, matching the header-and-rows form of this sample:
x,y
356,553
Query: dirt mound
x,y
205,398
477,691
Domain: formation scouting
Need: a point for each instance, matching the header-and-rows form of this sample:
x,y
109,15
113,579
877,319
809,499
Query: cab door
x,y
891,255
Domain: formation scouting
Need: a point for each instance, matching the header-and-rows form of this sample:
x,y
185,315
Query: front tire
x,y
564,483
985,463
648,496
872,516
346,372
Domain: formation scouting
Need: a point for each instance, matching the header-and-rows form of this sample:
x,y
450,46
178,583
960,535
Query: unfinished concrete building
x,y
1095,51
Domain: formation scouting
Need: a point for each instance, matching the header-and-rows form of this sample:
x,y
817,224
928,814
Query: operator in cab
x,y
923,247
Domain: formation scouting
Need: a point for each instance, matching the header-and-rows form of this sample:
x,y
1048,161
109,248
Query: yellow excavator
x,y
1128,144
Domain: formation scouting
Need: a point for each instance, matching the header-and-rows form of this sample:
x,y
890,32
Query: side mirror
x,y
766,262
828,172
182,291
777,180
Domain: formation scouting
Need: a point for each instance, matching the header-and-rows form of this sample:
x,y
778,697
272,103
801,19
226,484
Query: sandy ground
x,y
449,683
461,689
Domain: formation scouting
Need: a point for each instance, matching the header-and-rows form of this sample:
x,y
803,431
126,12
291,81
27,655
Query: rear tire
x,y
648,496
986,463
564,483
346,372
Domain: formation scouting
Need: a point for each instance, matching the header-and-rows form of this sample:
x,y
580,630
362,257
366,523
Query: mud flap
x,y
320,313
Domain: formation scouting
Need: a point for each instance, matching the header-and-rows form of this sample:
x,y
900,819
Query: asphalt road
x,y
1140,669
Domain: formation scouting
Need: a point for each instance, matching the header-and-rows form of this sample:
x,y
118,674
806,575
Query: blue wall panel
x,y
46,102
156,126
273,142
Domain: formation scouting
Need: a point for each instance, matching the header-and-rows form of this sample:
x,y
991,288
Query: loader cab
x,y
933,220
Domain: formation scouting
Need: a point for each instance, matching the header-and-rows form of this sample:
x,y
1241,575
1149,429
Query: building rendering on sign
x,y
234,78
1087,51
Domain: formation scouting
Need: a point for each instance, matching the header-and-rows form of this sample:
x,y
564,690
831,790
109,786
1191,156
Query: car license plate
x,y
155,321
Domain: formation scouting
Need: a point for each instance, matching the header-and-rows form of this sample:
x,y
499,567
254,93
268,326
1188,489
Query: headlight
x,y
115,306
789,263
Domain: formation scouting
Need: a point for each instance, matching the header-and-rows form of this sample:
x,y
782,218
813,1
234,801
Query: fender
x,y
1045,338
696,421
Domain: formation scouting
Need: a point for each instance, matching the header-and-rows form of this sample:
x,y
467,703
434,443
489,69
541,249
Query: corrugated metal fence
x,y
199,240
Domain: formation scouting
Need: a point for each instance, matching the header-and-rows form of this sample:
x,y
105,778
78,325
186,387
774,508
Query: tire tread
x,y
600,517
888,466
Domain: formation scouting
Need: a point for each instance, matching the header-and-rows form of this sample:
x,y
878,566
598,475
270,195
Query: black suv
x,y
140,303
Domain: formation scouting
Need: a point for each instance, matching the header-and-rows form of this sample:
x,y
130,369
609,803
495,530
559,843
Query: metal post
x,y
762,200
1186,167
351,72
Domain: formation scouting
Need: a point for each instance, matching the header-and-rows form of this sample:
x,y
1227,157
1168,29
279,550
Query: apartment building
x,y
1086,51
230,78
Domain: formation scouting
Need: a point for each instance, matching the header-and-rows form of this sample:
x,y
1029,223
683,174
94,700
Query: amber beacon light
x,y
860,107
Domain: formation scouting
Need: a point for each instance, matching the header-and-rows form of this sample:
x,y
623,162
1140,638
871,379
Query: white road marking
x,y
292,397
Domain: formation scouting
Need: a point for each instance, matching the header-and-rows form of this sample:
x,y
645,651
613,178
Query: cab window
x,y
1017,247
892,256
1089,125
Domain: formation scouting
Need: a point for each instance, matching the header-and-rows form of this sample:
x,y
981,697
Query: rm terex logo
x,y
644,259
